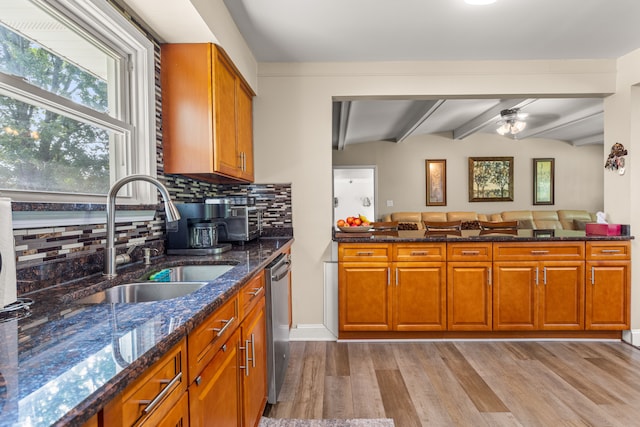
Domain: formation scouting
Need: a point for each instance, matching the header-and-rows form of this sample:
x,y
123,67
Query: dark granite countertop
x,y
409,236
65,361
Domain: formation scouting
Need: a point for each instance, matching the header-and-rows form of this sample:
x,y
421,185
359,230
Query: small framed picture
x,y
543,177
436,171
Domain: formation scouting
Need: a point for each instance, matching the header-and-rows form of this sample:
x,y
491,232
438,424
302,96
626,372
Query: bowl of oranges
x,y
354,224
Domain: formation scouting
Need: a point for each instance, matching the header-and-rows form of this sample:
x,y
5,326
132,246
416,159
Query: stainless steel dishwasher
x,y
277,275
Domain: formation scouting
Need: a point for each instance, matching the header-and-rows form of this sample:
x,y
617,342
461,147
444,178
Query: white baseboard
x,y
632,337
311,332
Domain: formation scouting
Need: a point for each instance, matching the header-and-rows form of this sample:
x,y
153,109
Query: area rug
x,y
356,422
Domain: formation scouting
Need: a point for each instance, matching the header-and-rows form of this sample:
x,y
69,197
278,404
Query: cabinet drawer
x,y
251,294
157,391
469,251
367,252
538,251
420,252
608,250
206,339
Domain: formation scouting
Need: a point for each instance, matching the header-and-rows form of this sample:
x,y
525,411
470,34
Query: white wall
x,y
401,171
622,193
292,131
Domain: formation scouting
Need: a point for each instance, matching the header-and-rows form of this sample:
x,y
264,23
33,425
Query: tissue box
x,y
594,229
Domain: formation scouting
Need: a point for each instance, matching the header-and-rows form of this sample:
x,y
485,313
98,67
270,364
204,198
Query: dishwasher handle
x,y
281,273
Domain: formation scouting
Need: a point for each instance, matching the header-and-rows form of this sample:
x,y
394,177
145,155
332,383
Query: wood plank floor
x,y
464,383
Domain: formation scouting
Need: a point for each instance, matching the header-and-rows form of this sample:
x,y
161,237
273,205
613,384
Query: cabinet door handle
x,y
489,280
246,358
536,276
364,253
593,279
544,275
396,276
227,323
153,402
256,291
610,251
540,252
416,253
471,253
253,350
388,276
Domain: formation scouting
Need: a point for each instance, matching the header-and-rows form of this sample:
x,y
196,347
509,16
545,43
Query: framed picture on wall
x,y
543,181
490,179
436,171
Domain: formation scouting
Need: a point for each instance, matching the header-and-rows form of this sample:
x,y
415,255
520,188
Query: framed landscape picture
x,y
543,177
436,171
490,179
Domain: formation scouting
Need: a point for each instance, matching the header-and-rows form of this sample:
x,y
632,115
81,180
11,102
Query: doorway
x,y
354,192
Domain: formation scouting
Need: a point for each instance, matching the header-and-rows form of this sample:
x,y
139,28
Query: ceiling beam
x,y
426,109
491,115
345,111
588,140
564,121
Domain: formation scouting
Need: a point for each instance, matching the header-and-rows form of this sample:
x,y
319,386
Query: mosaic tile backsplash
x,y
51,255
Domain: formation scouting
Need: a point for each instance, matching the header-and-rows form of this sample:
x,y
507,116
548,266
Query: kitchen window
x,y
76,102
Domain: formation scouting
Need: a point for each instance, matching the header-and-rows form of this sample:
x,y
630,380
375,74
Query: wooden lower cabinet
x,y
378,294
419,296
608,296
230,389
469,296
155,397
483,287
364,296
530,295
214,396
254,372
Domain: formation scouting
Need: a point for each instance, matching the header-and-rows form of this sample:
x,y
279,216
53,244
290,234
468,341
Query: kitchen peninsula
x,y
466,284
69,363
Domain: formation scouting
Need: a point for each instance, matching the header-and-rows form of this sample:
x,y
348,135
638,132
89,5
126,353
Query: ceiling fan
x,y
511,122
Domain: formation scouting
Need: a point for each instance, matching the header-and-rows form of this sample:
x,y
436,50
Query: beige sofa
x,y
564,219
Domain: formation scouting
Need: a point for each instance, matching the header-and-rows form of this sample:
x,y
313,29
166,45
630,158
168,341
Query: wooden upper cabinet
x,y
207,114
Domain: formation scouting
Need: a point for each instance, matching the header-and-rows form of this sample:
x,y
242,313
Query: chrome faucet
x,y
110,249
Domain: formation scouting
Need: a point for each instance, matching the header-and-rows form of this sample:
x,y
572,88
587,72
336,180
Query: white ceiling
x,y
402,30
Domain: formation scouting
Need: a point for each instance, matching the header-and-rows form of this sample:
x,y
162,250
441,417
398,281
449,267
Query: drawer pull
x,y
152,403
256,291
364,253
416,253
611,251
471,253
227,323
540,252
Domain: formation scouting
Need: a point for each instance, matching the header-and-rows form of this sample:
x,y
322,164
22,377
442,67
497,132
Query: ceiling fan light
x,y
511,122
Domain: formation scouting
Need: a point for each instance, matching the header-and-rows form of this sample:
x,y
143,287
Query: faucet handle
x,y
147,254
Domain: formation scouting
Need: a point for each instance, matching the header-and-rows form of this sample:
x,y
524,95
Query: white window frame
x,y
104,22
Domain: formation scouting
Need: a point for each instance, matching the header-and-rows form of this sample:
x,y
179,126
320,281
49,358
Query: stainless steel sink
x,y
191,273
142,292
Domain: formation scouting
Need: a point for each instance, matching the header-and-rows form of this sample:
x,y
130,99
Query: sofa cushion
x,y
515,215
405,218
546,220
434,216
526,224
567,217
462,216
